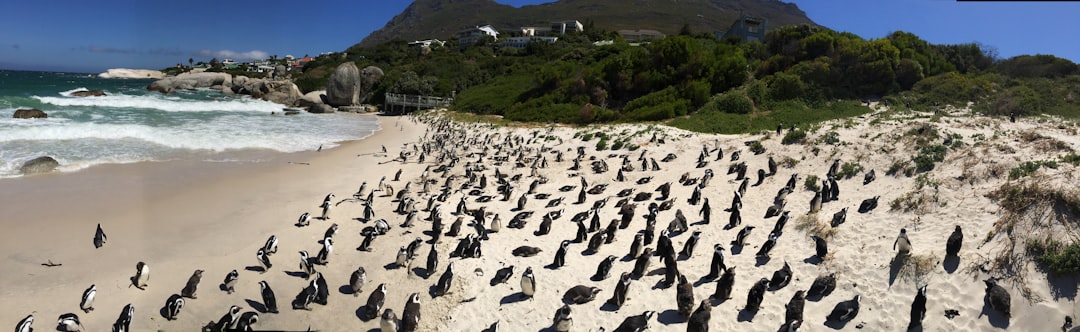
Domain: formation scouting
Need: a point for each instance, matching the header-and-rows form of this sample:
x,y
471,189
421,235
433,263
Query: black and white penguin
x,y
528,283
684,296
918,309
642,264
955,241
227,321
87,302
740,238
357,280
839,217
869,177
596,241
99,237
845,310
716,265
604,268
560,255
821,248
268,298
735,219
998,298
432,261
229,283
688,247
763,252
402,257
868,204
756,295
122,323
413,246
778,227
410,317
306,265
815,203
775,209
304,220
455,227
264,260
834,189
699,320
794,308
902,243
706,211
780,278
622,287
26,324
173,306
671,268
271,245
502,275
247,321
562,321
325,211
375,302
69,322
330,231
823,285
323,257
389,321
443,286
636,245
636,323
142,275
580,294
545,226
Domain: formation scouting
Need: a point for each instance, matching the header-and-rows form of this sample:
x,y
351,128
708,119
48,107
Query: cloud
x,y
228,54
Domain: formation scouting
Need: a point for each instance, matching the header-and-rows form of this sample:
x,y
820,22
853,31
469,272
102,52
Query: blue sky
x,y
91,36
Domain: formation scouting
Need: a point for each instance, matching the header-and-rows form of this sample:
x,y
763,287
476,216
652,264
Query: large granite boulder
x,y
88,93
39,165
343,86
368,77
280,71
32,113
281,92
190,81
312,98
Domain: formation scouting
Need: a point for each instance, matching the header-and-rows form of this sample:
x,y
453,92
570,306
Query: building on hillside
x,y
640,35
747,28
565,27
427,43
522,42
473,35
302,61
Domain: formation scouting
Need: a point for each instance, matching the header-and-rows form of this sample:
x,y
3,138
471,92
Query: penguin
x,y
822,286
918,309
740,238
794,308
521,201
780,278
684,296
826,191
268,298
955,241
998,298
688,247
716,265
560,255
432,260
815,203
455,227
833,168
845,310
271,245
834,189
756,295
580,294
306,296
636,323
69,322
323,257
735,219
545,226
706,211
494,327
26,324
227,321
443,286
526,251
230,281
99,237
502,275
122,323
821,248
496,224
621,290
402,257
87,303
596,241
839,218
173,306
778,227
325,211
699,320
410,317
671,268
528,283
642,264
329,198
869,177
375,302
389,321
562,321
306,265
868,204
142,275
247,320
264,260
763,252
322,290
357,280
413,246
903,243
636,245
775,209
604,268
761,175
369,213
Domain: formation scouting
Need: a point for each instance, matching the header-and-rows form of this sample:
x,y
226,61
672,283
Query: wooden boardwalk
x,y
400,104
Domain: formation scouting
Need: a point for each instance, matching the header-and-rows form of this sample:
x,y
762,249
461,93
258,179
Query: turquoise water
x,y
132,124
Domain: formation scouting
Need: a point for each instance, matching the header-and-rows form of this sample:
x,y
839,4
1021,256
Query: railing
x,y
416,102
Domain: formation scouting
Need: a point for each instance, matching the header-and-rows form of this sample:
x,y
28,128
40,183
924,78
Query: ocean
x,y
132,124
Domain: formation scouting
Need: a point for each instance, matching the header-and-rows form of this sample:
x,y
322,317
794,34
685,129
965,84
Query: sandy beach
x,y
185,215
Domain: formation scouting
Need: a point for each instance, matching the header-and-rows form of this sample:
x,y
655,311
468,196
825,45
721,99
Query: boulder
x,y
132,73
281,92
32,113
343,86
280,71
368,77
312,98
291,112
321,108
39,165
190,81
88,93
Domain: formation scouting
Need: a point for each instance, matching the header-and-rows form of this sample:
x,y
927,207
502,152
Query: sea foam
x,y
164,103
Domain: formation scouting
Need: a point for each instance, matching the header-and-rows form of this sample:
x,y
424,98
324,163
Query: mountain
x,y
425,19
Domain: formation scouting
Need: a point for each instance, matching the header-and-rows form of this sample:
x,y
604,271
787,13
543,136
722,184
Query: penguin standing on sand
x,y
562,321
604,268
528,283
410,317
357,280
716,266
99,237
375,302
918,309
122,323
264,260
271,245
173,306
636,245
443,286
325,210
821,248
269,300
192,285
724,285
230,281
688,247
432,260
621,290
389,321
560,255
684,296
142,275
794,308
955,241
699,320
740,238
87,303
26,324
756,295
903,243
642,263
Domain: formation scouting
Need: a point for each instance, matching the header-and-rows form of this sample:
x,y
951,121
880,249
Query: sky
x,y
91,36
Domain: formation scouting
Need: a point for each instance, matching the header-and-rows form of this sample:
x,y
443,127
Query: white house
x,y
472,35
565,27
427,43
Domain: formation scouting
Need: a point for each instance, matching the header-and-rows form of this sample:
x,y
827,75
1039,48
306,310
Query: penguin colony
x,y
469,178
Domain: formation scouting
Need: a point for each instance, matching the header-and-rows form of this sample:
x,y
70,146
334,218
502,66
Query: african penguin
x,y
716,266
271,245
268,298
845,310
410,317
375,302
122,323
389,321
580,294
642,264
740,239
247,320
767,247
699,320
998,298
560,255
99,237
636,323
322,290
528,283
684,296
173,306
357,280
780,278
822,286
955,241
264,260
87,303
443,286
229,283
502,275
69,322
918,309
821,248
903,243
604,268
26,324
306,265
621,290
142,275
227,321
636,245
793,310
562,321
688,247
756,295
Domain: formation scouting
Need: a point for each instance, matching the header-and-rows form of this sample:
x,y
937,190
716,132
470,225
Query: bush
x,y
601,145
734,102
849,169
793,137
1028,167
812,183
1056,256
928,156
756,147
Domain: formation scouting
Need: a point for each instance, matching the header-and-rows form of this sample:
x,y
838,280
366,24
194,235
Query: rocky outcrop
x,y
39,165
281,92
32,113
312,98
89,93
343,86
132,73
368,77
321,108
190,81
280,72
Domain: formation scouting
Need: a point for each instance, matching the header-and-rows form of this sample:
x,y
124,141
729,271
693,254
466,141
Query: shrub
x,y
849,169
734,101
1056,256
793,137
601,145
812,183
928,156
1028,167
756,147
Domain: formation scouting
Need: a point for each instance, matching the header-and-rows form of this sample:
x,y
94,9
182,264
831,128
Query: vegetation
x,y
793,137
1056,256
811,183
1028,167
849,169
929,156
